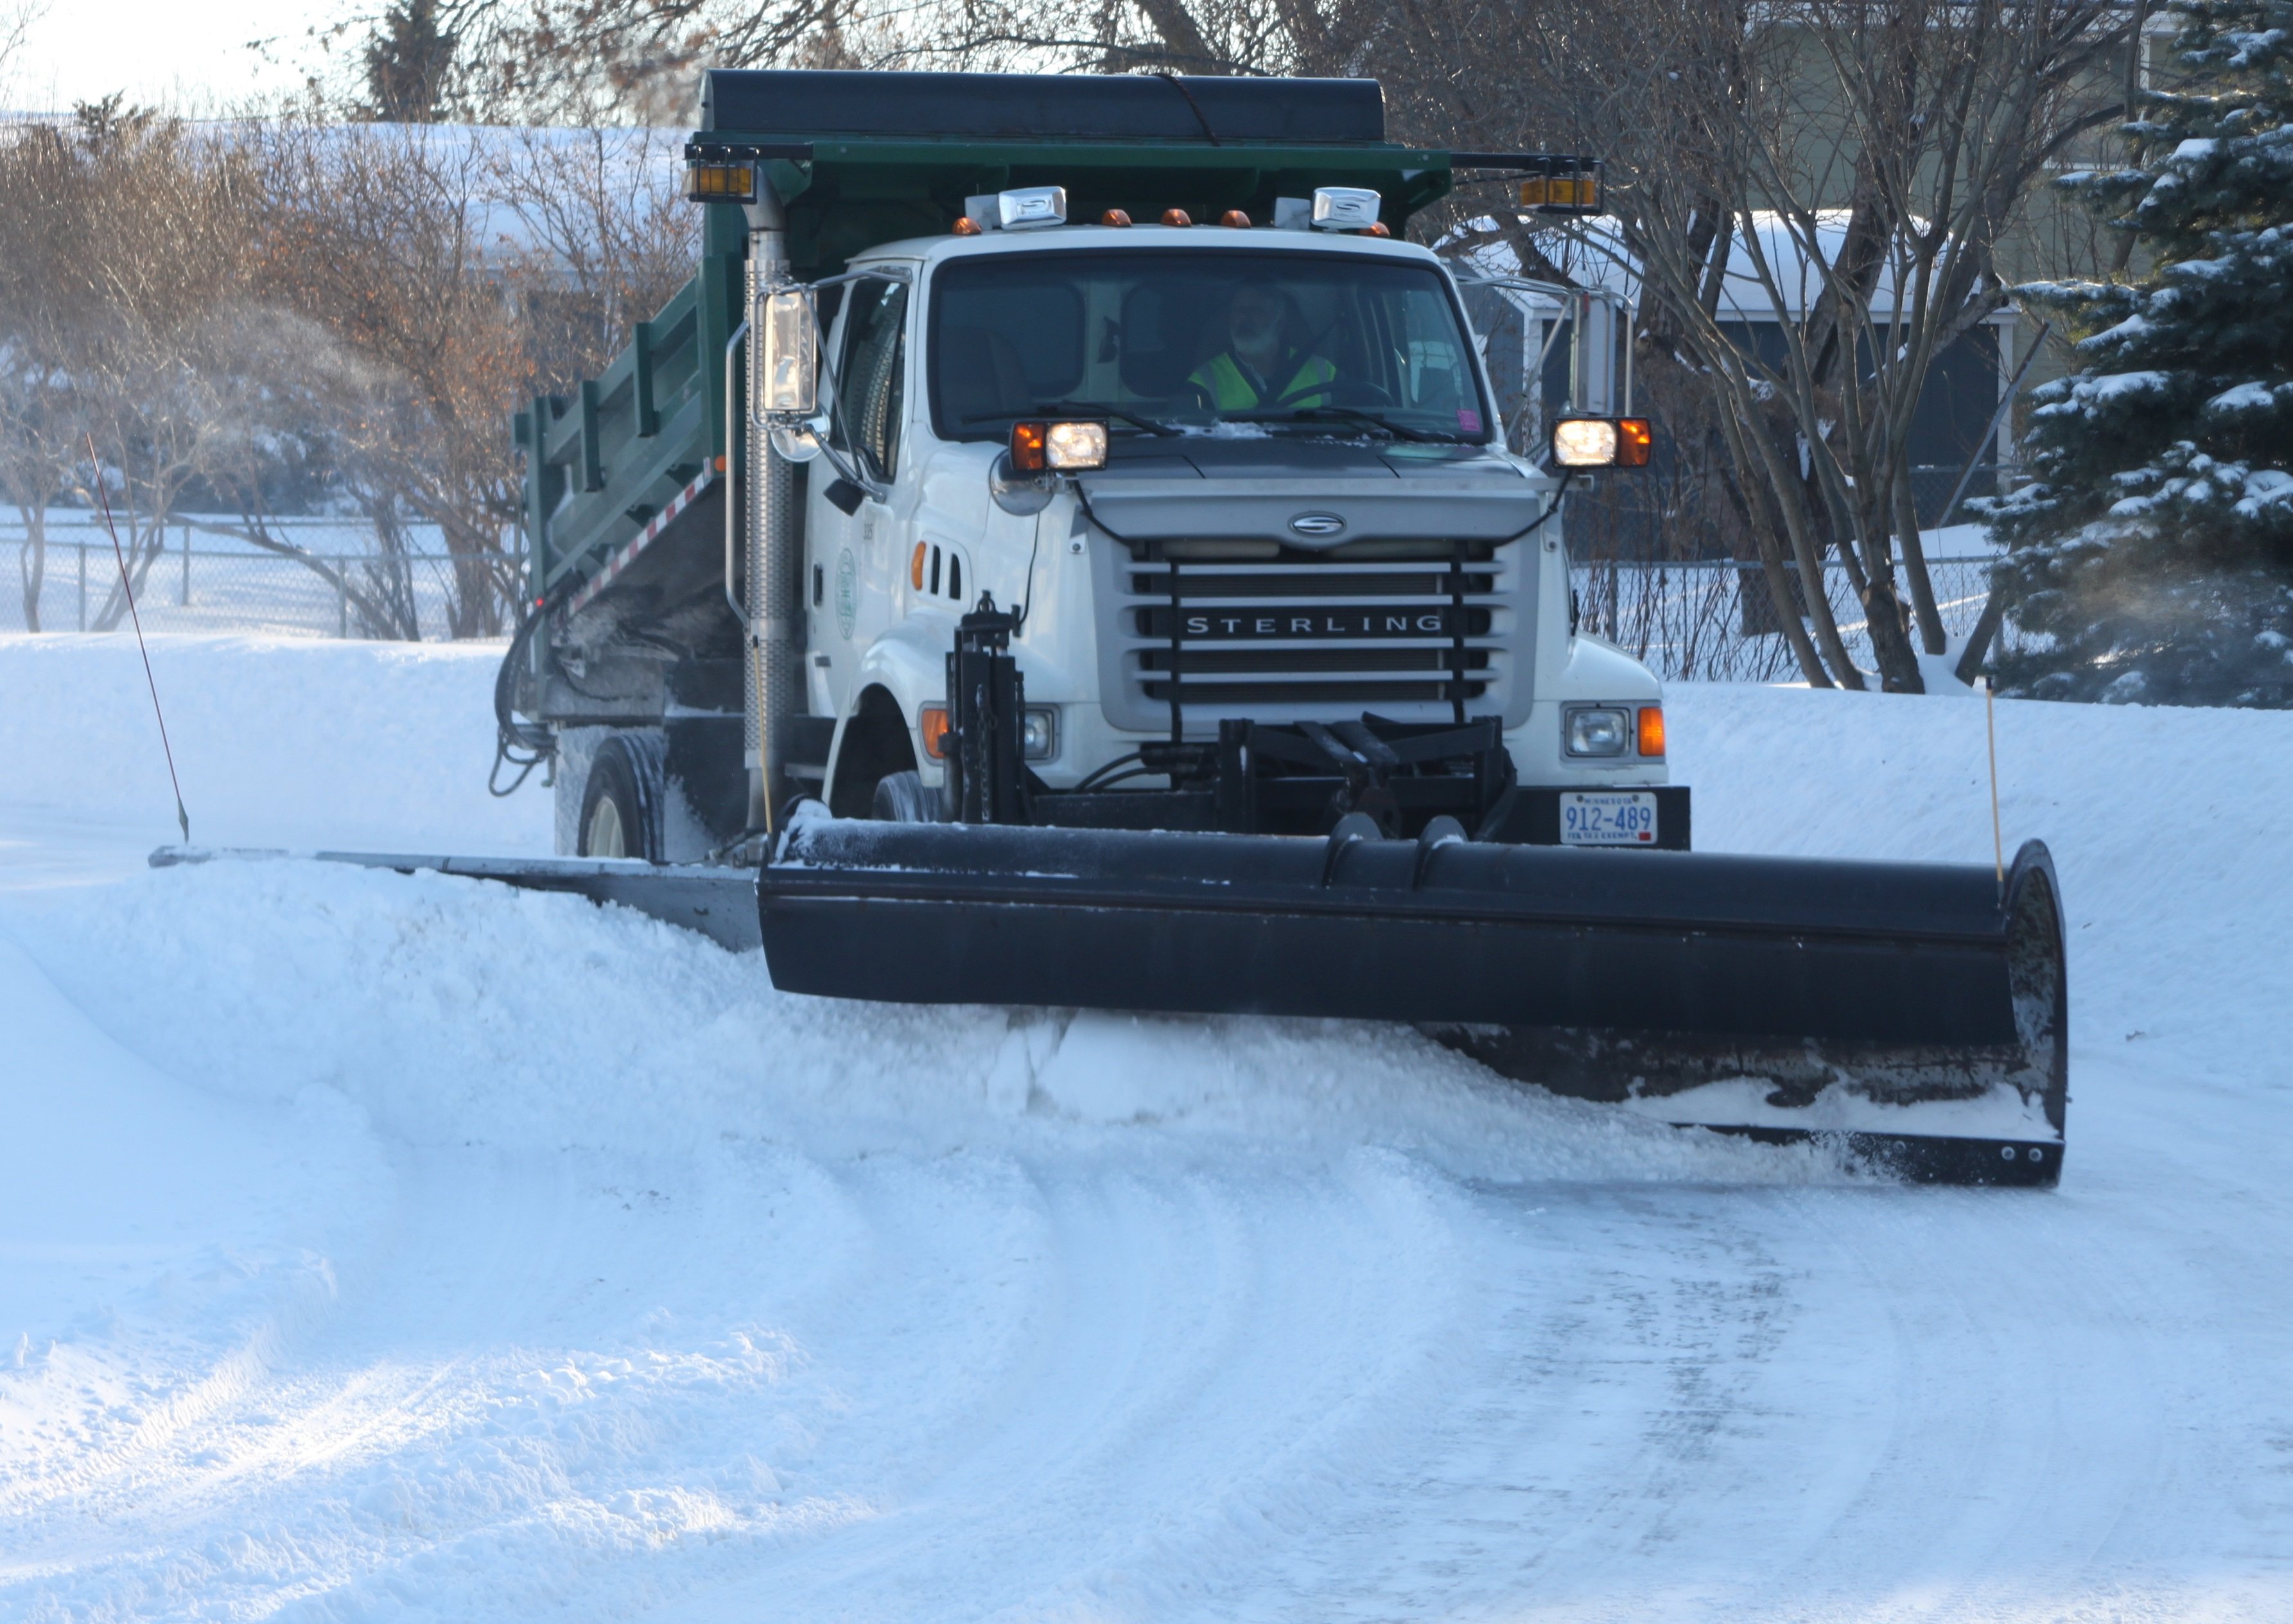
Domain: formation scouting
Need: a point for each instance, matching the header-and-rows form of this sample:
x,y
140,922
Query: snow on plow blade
x,y
717,902
1910,1013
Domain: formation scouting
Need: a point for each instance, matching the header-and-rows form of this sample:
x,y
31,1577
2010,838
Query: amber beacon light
x,y
1563,194
706,182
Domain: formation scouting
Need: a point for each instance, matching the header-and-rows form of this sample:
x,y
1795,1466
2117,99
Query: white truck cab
x,y
1366,546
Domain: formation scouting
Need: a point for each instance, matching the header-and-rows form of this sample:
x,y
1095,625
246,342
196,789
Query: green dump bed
x,y
631,452
863,158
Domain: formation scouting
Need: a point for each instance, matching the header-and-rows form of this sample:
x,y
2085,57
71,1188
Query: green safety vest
x,y
1230,390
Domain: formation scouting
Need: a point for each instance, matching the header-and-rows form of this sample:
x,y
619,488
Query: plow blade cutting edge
x,y
1914,1014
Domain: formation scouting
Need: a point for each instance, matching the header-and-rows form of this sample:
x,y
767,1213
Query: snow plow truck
x,y
1062,548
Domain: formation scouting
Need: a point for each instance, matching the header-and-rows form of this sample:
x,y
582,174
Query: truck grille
x,y
1290,641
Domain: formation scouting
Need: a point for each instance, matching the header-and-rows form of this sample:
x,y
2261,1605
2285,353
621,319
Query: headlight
x,y
1067,448
1597,731
1076,446
1584,443
1602,442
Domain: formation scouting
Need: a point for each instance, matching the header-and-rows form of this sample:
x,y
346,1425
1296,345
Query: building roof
x,y
1595,255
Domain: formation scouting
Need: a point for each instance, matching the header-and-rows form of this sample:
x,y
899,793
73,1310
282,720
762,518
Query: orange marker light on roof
x,y
1235,219
1177,216
966,226
1377,228
1651,730
1114,216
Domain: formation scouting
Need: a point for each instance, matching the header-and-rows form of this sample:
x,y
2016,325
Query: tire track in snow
x,y
1214,1353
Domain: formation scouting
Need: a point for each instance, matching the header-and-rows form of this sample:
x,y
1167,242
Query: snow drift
x,y
395,1246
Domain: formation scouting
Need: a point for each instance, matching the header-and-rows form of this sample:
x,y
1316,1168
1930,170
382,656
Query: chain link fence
x,y
1714,619
1932,490
197,580
1665,572
1677,511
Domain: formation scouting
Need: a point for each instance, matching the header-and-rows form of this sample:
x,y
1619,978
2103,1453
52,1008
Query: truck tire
x,y
620,808
901,798
876,746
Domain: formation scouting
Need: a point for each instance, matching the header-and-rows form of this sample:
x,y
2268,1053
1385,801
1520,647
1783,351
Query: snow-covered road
x,y
383,1247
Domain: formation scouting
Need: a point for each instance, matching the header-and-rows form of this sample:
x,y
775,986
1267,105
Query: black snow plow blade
x,y
1913,1014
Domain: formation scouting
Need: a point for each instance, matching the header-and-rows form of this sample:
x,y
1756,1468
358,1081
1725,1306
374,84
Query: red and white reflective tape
x,y
624,555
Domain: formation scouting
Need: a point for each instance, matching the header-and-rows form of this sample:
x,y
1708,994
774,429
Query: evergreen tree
x,y
2154,552
407,58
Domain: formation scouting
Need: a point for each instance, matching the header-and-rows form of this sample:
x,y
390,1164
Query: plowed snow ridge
x,y
397,1247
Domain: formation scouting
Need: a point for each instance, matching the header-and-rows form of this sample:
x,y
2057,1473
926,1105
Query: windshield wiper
x,y
1082,409
1355,414
1153,426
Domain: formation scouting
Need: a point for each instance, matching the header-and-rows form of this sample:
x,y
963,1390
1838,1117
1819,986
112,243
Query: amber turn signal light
x,y
933,721
1635,440
1027,441
1651,730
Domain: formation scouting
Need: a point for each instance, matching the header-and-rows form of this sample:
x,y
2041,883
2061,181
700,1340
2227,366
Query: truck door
x,y
855,560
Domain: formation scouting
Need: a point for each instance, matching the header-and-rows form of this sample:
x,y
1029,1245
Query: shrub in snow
x,y
2153,558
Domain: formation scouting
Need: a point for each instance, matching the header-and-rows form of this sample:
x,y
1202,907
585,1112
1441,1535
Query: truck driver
x,y
1260,368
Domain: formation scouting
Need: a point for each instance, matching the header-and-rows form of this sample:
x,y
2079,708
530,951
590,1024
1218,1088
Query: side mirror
x,y
1017,491
799,442
787,334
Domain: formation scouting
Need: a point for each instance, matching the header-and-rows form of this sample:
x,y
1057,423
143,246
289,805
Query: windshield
x,y
1159,341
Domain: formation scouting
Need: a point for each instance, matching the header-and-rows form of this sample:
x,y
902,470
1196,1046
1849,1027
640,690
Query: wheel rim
x,y
603,837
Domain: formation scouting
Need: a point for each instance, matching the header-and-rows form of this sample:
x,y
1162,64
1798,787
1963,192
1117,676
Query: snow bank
x,y
277,740
2156,818
393,1246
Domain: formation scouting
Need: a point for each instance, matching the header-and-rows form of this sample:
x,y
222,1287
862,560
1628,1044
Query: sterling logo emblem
x,y
1317,524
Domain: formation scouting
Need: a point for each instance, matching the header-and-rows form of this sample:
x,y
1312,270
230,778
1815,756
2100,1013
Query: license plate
x,y
1612,817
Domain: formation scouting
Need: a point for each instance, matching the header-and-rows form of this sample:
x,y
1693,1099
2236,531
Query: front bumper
x,y
1261,778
